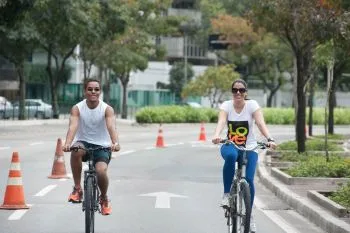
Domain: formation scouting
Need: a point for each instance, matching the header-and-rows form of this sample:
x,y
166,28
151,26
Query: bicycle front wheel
x,y
89,202
243,210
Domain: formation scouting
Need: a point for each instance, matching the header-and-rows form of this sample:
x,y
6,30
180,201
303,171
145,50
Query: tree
x,y
301,24
60,25
17,40
177,78
214,84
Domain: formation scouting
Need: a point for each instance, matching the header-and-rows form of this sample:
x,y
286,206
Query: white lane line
x,y
150,148
36,143
127,152
276,218
4,148
17,214
45,190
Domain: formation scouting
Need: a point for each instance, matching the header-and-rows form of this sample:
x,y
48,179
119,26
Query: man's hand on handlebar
x,y
66,148
115,147
216,140
272,145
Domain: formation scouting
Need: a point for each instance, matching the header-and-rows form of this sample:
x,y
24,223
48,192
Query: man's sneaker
x,y
252,225
106,208
76,196
225,200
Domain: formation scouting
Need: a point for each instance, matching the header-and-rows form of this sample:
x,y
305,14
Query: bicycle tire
x,y
242,210
89,202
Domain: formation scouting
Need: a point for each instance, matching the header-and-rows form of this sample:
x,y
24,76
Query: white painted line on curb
x,y
274,217
45,190
36,143
18,214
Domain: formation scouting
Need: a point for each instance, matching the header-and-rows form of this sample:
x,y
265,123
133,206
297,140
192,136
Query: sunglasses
x,y
240,90
94,89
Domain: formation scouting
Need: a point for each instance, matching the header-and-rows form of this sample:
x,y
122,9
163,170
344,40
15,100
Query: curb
x,y
306,208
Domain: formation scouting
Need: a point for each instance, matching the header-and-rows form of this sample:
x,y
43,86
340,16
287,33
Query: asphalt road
x,y
176,189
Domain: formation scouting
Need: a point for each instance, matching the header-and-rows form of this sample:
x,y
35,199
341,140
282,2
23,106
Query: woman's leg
x,y
229,154
250,172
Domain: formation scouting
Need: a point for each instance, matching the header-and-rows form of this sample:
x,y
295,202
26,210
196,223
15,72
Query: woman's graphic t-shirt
x,y
240,125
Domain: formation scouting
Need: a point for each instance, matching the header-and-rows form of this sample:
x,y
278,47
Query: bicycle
x,y
90,202
239,210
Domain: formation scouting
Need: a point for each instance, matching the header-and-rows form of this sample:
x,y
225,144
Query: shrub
x,y
342,196
317,166
314,144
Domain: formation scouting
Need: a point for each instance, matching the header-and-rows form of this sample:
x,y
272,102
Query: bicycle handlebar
x,y
76,148
260,145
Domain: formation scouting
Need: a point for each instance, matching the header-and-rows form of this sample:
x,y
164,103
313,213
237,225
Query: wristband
x,y
270,139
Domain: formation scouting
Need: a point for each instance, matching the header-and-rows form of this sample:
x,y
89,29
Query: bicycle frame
x,y
91,190
240,194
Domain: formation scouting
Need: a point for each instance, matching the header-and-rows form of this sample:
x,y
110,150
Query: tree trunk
x,y
311,104
303,65
125,80
331,106
22,91
107,89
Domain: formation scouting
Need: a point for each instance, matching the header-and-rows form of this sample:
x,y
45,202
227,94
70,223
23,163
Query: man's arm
x,y
111,127
72,128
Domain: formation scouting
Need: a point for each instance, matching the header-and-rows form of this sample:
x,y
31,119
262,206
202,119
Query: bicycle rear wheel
x,y
243,210
89,202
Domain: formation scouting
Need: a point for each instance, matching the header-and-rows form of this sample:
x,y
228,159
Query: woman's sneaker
x,y
252,225
225,200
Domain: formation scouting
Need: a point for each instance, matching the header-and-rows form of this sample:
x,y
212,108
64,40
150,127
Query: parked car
x,y
194,104
6,108
34,108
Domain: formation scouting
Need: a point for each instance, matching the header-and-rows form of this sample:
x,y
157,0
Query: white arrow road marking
x,y
276,218
17,214
36,143
45,190
4,148
162,198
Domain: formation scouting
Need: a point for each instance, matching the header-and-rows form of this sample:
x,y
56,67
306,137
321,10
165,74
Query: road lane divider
x,y
18,214
45,190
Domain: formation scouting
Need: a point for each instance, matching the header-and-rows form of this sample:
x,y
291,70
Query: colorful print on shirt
x,y
238,132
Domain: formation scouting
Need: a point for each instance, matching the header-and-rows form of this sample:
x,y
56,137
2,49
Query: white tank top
x,y
92,124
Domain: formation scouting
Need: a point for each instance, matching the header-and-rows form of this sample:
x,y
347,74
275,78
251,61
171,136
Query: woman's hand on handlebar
x,y
216,140
272,145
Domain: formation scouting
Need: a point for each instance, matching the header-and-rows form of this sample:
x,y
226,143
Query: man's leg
x,y
76,165
102,178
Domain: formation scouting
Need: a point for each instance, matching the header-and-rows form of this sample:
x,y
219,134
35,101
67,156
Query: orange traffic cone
x,y
14,195
59,167
160,140
202,136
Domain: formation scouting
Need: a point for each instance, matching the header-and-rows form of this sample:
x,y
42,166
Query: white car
x,y
6,108
35,108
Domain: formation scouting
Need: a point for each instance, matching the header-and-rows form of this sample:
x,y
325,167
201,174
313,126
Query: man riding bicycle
x,y
91,124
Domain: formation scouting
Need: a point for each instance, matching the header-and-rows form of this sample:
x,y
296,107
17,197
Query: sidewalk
x,y
296,197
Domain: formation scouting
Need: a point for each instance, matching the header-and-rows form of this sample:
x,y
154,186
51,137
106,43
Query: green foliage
x,y
175,114
317,166
214,83
280,116
311,145
177,77
342,196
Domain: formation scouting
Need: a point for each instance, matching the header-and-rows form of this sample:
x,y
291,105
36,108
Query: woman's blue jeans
x,y
231,154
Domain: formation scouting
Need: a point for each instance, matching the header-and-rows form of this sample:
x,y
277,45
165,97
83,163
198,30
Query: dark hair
x,y
240,81
89,80
243,83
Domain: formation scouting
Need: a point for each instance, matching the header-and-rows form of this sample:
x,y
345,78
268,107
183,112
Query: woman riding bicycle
x,y
239,115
